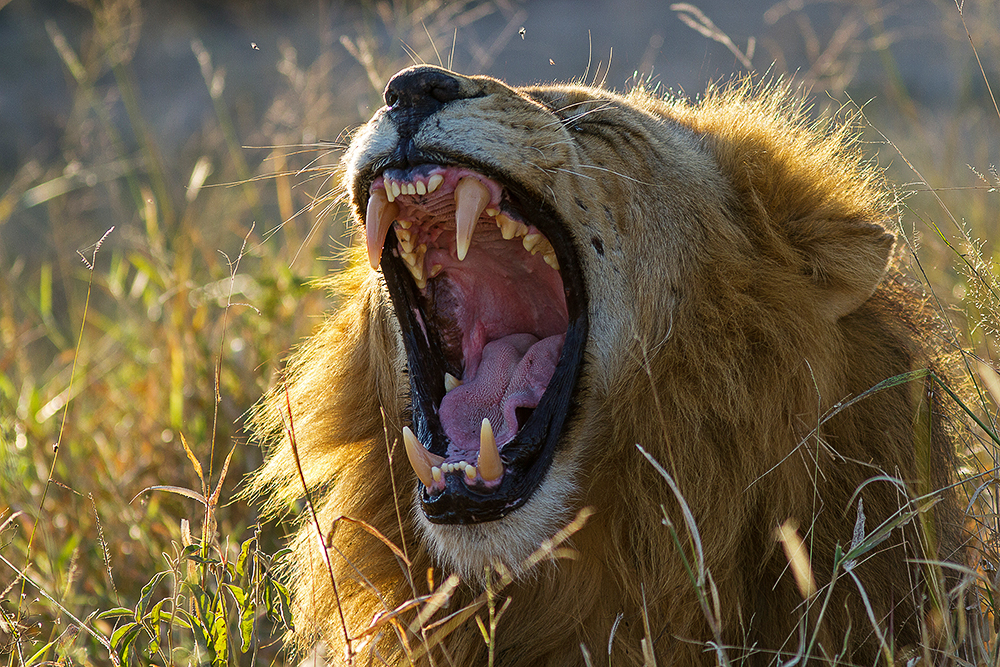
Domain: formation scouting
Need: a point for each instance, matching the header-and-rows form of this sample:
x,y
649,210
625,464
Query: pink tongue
x,y
513,373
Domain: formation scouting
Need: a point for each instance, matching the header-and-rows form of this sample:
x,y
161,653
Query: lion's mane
x,y
728,348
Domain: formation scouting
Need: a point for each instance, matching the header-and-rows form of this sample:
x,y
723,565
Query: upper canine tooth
x,y
434,182
421,460
471,198
489,463
381,212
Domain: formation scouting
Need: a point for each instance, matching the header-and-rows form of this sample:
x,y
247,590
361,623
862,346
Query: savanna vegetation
x,y
151,287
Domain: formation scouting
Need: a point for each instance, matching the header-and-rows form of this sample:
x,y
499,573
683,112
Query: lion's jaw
x,y
473,550
488,291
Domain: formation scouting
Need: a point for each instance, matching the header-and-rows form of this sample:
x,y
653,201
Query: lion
x,y
616,379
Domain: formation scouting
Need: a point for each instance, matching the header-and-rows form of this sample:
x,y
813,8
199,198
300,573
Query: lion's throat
x,y
512,374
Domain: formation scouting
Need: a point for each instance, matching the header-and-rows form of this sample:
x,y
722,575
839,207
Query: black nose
x,y
412,96
422,89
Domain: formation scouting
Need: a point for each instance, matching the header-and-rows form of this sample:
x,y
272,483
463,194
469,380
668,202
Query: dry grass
x,y
120,542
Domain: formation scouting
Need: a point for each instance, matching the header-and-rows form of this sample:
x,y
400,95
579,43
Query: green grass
x,y
170,291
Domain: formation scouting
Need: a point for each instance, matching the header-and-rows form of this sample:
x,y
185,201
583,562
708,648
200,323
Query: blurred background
x,y
167,194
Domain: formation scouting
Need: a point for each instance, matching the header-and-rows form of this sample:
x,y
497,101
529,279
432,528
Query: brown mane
x,y
734,357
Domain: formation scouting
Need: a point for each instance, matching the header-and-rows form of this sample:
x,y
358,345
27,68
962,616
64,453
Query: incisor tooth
x,y
471,197
490,465
381,212
421,460
450,382
396,189
434,182
421,188
470,471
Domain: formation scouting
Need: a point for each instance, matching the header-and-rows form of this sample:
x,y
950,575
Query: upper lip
x,y
478,199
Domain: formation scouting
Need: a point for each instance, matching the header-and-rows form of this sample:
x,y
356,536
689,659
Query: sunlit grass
x,y
119,541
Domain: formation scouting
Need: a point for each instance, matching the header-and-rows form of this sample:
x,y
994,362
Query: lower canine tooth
x,y
489,463
421,460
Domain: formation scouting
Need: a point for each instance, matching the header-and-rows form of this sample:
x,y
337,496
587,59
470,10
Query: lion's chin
x,y
473,551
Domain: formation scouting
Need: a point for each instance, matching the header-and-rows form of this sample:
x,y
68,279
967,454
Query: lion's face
x,y
487,209
567,273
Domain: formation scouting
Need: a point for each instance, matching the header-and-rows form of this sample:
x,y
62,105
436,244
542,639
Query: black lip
x,y
528,457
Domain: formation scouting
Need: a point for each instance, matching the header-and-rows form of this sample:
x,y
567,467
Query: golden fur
x,y
735,258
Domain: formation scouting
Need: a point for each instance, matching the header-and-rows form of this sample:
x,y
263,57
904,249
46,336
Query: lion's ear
x,y
846,262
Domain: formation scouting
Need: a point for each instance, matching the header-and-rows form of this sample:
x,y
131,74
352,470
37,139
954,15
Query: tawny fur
x,y
735,258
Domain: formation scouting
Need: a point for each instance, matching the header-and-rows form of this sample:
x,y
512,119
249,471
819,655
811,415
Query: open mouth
x,y
491,305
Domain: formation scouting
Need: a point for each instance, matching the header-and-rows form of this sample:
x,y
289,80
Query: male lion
x,y
560,275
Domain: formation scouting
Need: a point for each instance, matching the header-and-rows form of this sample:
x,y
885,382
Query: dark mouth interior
x,y
495,335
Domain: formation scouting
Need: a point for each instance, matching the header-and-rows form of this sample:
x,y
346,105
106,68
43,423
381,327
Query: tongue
x,y
513,373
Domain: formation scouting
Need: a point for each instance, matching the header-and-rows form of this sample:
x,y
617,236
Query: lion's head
x,y
566,273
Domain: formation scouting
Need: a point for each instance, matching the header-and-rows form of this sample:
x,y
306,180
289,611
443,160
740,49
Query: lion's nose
x,y
423,88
